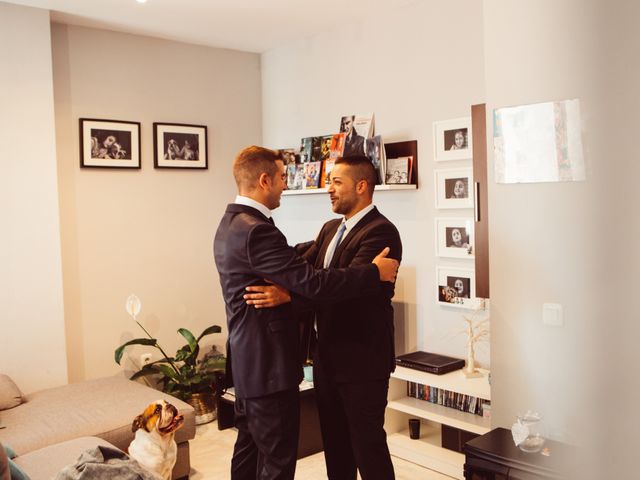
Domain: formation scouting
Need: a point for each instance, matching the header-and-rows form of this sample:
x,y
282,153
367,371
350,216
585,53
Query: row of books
x,y
447,398
310,166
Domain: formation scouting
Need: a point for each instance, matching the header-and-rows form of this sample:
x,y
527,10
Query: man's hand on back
x,y
266,296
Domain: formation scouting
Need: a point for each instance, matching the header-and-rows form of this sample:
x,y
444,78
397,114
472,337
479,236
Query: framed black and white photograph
x,y
452,139
109,143
454,188
454,237
456,287
177,145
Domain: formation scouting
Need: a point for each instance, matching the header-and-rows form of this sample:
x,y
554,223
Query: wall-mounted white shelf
x,y
325,190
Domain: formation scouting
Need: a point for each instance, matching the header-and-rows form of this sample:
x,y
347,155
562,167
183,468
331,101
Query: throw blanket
x,y
104,463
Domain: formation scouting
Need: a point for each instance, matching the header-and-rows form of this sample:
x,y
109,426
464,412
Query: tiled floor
x,y
211,456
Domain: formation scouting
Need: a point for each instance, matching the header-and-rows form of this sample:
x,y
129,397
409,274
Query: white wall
x,y
32,345
145,231
540,234
569,243
419,64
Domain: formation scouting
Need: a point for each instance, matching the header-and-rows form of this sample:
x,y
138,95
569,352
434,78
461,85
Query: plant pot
x,y
205,406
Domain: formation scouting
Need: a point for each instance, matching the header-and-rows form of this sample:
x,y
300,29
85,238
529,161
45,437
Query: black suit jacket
x,y
263,344
356,336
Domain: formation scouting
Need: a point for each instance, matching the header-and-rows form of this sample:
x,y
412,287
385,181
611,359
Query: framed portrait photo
x,y
456,287
454,237
454,188
452,139
109,143
177,145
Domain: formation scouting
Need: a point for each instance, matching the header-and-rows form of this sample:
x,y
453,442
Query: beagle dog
x,y
154,446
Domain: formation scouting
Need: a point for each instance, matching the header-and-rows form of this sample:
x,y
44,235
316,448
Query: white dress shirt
x,y
349,224
250,202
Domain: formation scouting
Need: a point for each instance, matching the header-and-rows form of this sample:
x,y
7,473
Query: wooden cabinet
x,y
481,206
494,456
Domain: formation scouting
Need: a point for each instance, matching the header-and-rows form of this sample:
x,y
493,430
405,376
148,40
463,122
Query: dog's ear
x,y
138,422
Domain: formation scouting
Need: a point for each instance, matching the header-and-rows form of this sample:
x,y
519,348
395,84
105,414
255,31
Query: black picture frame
x,y
109,143
180,145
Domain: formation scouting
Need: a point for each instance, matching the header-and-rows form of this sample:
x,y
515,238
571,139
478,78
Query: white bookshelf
x,y
454,381
312,191
427,451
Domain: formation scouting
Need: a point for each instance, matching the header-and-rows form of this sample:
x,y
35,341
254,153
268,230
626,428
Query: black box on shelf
x,y
430,362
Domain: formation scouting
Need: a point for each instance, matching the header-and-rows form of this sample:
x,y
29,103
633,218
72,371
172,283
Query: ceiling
x,y
249,25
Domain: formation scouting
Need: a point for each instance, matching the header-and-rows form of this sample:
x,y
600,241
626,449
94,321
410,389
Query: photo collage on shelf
x,y
309,166
454,193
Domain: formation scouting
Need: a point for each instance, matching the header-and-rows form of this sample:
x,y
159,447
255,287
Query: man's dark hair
x,y
361,169
252,162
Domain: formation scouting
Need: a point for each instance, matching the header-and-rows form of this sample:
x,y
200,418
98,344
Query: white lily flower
x,y
133,305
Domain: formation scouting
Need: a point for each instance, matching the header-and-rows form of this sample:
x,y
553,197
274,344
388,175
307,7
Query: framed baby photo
x,y
177,145
452,139
109,143
456,287
454,188
454,237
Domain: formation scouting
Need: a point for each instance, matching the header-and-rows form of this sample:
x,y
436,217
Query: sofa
x,y
49,429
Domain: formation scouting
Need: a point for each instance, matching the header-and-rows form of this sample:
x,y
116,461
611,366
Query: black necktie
x,y
270,220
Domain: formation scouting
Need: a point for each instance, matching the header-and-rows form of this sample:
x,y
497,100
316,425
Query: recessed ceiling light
x,y
141,1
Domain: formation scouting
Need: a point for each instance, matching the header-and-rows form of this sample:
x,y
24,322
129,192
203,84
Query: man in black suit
x,y
353,143
354,355
263,345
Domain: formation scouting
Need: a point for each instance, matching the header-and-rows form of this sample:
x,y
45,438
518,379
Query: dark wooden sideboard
x,y
494,456
310,440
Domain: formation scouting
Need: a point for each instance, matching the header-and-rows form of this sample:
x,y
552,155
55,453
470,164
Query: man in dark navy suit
x,y
354,355
263,344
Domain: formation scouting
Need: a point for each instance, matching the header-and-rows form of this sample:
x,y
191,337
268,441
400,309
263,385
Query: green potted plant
x,y
184,375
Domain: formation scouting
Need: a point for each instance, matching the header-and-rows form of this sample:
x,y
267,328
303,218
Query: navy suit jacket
x,y
356,336
263,345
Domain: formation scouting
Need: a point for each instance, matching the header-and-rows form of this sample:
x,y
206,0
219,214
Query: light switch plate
x,y
552,314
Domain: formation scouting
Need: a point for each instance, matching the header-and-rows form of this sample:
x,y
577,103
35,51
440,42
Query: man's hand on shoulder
x,y
266,296
387,267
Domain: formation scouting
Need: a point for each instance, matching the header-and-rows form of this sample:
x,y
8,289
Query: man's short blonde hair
x,y
252,162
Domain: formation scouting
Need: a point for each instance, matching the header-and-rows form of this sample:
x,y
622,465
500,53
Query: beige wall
x,y
570,243
145,231
543,246
419,64
32,343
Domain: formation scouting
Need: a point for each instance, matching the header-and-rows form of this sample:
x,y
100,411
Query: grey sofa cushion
x,y
48,461
102,408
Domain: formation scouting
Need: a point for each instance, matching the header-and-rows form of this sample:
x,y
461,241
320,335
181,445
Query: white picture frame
x,y
452,139
454,188
456,287
454,237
